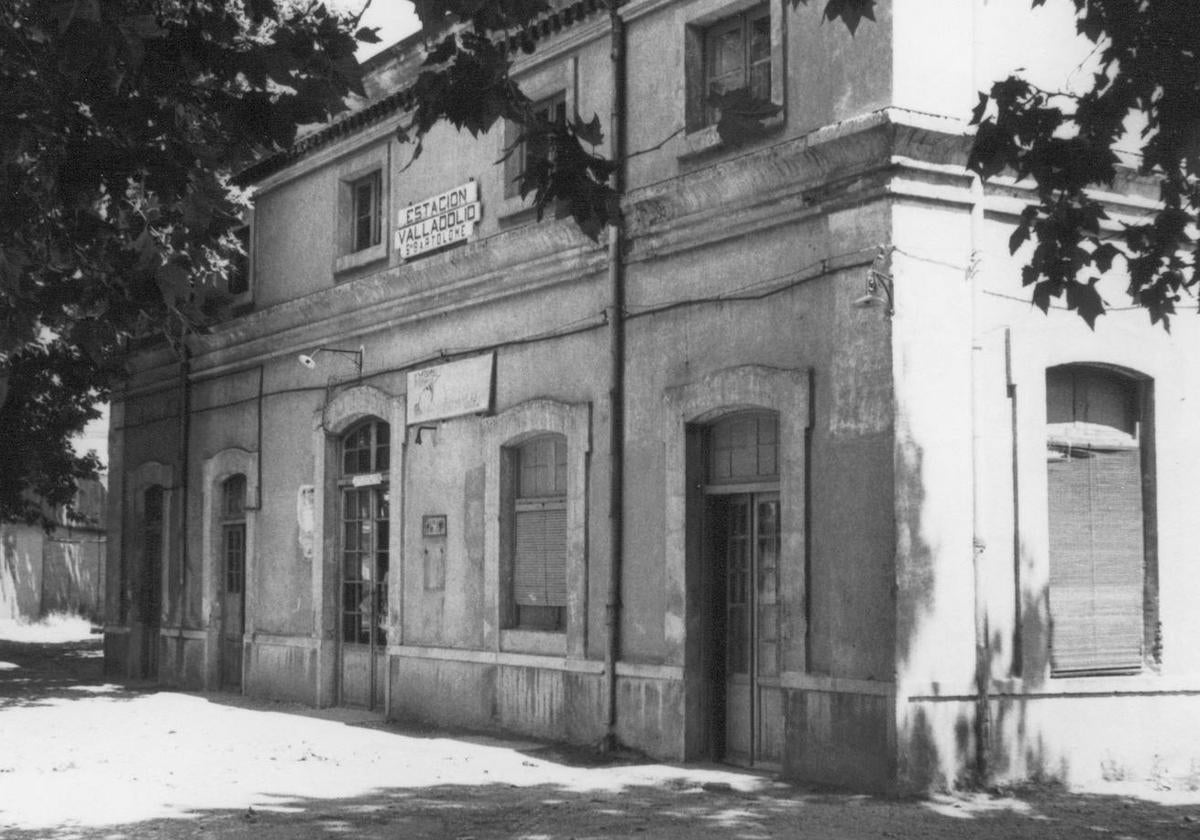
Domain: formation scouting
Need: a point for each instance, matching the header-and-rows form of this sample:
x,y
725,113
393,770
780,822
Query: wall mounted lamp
x,y
309,360
877,281
425,428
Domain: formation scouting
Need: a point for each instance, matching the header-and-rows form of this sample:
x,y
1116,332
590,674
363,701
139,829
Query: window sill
x,y
544,642
358,259
1148,681
515,205
706,140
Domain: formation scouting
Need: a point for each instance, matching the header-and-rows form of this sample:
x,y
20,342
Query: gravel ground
x,y
84,758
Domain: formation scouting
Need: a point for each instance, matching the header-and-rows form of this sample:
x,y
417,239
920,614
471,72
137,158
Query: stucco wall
x,y
1076,728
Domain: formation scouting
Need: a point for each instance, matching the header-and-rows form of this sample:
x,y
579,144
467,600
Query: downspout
x,y
185,423
616,316
983,715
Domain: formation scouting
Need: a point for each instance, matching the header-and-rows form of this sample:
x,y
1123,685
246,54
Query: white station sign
x,y
451,389
442,220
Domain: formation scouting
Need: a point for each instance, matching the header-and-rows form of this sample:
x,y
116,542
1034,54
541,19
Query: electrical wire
x,y
757,290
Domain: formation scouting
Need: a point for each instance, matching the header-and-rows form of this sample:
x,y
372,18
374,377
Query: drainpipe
x,y
616,316
185,422
978,542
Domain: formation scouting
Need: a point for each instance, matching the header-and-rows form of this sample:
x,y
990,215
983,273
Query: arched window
x,y
365,448
365,531
1100,488
539,533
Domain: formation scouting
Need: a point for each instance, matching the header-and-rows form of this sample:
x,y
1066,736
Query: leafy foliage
x,y
120,123
50,397
1147,68
851,12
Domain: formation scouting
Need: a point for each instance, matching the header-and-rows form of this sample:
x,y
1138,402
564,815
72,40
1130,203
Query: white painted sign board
x,y
451,389
441,220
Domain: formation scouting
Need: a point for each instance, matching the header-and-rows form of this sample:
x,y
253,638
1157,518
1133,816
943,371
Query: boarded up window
x,y
1096,513
539,573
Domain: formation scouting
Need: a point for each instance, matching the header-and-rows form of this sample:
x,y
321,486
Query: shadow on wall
x,y
937,738
41,574
20,576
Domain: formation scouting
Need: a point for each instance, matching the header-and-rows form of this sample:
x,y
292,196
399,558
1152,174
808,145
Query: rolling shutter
x,y
540,555
1097,560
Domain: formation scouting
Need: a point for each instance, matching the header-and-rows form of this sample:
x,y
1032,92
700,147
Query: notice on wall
x,y
305,520
441,220
451,389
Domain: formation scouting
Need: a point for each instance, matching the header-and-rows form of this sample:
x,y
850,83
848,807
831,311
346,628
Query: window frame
x,y
369,167
372,216
555,79
524,499
377,600
243,265
233,521
709,17
1108,441
516,162
500,433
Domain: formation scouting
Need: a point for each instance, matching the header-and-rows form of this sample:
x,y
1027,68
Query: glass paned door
x,y
748,550
364,557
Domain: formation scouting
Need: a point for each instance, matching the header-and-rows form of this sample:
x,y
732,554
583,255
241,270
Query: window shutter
x,y
1097,560
540,556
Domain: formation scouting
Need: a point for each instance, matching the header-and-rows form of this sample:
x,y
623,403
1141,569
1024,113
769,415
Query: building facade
x,y
798,482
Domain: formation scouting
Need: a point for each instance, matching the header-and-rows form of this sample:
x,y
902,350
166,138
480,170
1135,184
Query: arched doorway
x,y
232,581
363,535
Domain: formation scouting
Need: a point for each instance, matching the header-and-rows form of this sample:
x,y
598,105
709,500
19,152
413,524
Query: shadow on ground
x,y
676,805
33,673
670,811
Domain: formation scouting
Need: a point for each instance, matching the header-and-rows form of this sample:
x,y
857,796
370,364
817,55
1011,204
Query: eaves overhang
x,y
553,22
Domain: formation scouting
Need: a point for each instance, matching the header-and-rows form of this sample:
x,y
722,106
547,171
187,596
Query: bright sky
x,y
396,19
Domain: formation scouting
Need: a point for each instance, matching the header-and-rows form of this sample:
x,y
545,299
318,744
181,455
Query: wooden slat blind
x,y
1097,560
540,556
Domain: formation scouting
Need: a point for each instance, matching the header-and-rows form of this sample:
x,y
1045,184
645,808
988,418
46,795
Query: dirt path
x,y
82,759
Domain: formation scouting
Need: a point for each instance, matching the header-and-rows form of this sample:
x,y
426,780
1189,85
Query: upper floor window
x,y
738,47
737,54
1101,494
361,208
238,282
367,196
537,146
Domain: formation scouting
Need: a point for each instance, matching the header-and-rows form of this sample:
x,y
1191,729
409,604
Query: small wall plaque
x,y
366,480
433,525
